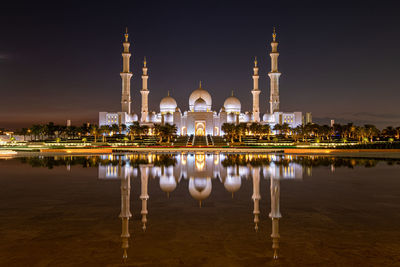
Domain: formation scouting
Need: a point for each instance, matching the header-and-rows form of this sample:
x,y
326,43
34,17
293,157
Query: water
x,y
199,210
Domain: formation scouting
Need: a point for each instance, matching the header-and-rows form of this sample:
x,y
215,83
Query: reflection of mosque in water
x,y
200,169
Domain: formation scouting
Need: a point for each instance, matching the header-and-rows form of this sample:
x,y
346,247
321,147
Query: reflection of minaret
x,y
144,176
145,92
275,214
274,76
256,196
126,76
256,94
125,213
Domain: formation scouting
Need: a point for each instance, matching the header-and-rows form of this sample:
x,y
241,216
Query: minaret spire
x,y
256,196
145,93
274,75
275,214
126,76
144,196
256,93
125,214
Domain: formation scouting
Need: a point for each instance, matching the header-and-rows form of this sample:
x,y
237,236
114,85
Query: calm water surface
x,y
199,210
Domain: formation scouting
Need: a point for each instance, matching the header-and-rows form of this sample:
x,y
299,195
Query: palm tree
x,y
158,131
115,128
371,131
398,132
265,130
241,130
229,130
103,130
389,131
278,128
298,132
94,130
169,131
134,130
144,129
255,128
122,128
285,129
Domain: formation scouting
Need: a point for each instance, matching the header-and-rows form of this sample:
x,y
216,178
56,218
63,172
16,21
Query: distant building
x,y
201,119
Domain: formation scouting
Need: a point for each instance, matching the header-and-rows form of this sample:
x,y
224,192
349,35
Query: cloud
x,y
4,57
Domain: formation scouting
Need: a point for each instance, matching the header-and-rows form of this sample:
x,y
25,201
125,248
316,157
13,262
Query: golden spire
x,y
274,35
232,93
255,61
144,62
126,34
200,84
168,93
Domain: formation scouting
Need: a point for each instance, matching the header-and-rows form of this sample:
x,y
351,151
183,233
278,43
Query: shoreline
x,y
364,153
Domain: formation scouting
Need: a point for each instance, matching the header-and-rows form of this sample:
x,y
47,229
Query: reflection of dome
x,y
199,93
168,104
232,104
200,105
200,188
167,183
232,183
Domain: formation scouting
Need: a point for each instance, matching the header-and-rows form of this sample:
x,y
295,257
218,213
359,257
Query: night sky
x,y
339,61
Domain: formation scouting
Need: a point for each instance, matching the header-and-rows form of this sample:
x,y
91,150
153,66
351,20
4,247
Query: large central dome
x,y
199,93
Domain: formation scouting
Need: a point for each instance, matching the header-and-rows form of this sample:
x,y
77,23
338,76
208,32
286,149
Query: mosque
x,y
201,119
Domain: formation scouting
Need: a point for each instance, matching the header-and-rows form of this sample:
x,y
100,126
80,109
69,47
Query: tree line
x,y
343,132
233,132
51,131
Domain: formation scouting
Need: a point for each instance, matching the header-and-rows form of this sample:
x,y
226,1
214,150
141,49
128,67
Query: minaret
x,y
256,196
275,214
126,77
256,94
274,76
144,176
145,92
125,214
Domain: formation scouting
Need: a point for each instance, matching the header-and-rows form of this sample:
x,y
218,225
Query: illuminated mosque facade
x,y
201,119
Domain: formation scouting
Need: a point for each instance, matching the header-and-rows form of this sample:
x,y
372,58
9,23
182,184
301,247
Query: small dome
x,y
200,105
232,183
168,104
134,117
167,183
268,117
199,93
200,188
232,104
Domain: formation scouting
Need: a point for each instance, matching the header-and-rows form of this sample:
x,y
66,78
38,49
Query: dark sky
x,y
339,60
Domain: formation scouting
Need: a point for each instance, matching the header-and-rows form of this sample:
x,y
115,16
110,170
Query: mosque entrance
x,y
200,128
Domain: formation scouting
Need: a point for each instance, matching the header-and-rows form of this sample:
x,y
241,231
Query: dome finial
x,y
255,61
168,93
200,84
232,93
145,62
274,35
126,34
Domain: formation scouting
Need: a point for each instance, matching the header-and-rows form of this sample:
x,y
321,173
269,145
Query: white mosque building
x,y
201,119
